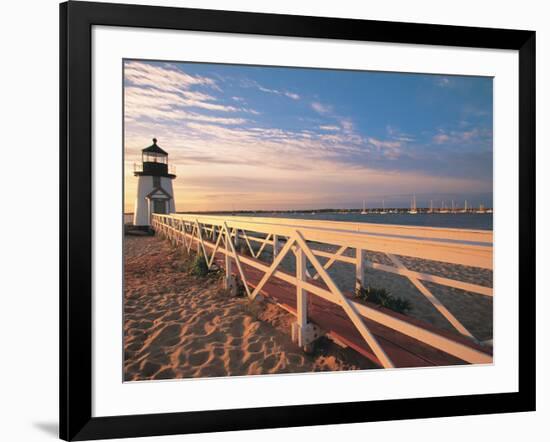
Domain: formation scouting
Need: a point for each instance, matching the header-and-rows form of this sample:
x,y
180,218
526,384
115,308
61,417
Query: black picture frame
x,y
76,21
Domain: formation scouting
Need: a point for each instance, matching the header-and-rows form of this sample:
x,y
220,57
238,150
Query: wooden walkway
x,y
403,350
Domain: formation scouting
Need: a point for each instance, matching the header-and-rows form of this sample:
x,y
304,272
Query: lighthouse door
x,y
159,206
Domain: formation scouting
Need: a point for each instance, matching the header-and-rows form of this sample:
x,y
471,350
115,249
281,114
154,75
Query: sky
x,y
277,138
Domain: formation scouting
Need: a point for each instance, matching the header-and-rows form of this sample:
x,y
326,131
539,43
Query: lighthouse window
x,y
156,181
155,158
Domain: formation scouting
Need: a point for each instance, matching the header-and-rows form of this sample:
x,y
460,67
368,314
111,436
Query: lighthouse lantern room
x,y
155,193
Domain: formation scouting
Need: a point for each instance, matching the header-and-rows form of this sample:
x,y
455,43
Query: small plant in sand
x,y
216,273
199,266
240,291
383,298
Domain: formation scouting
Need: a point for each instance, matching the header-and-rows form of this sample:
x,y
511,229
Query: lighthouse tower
x,y
154,193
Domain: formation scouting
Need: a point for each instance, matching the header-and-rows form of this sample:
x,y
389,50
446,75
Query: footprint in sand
x,y
159,356
144,325
270,362
252,359
199,358
134,346
235,358
171,316
136,333
149,368
209,328
165,373
167,337
218,351
236,342
295,359
215,368
237,328
254,347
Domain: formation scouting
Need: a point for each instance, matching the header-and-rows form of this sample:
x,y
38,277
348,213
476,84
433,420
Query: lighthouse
x,y
154,191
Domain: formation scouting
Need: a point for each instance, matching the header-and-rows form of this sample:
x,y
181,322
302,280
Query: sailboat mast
x,y
364,211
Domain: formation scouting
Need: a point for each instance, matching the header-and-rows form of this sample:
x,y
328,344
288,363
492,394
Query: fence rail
x,y
217,237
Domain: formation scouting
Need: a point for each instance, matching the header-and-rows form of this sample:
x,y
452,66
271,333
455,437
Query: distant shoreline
x,y
450,220
388,210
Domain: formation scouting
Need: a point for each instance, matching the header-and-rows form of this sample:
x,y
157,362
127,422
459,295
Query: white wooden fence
x,y
219,234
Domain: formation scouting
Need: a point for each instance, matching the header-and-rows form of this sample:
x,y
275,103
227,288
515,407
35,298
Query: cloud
x,y
329,127
347,124
473,111
158,105
380,144
292,95
163,92
254,84
390,149
441,138
463,137
167,77
258,166
395,134
269,91
209,106
444,82
321,108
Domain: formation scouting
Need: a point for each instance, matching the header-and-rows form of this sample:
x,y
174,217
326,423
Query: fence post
x,y
236,241
275,246
303,332
228,283
182,234
298,328
359,268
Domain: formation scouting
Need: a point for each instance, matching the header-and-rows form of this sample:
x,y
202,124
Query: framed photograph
x,y
272,221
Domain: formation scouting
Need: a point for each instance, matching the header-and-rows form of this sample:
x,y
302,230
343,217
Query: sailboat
x,y
431,206
413,210
481,209
443,208
364,211
465,206
383,211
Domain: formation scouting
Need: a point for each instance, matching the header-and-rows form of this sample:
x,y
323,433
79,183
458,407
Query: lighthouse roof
x,y
154,148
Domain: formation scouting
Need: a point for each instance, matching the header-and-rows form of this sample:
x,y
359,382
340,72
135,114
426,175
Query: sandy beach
x,y
177,325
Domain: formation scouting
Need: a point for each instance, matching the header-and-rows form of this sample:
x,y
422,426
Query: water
x,y
475,221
